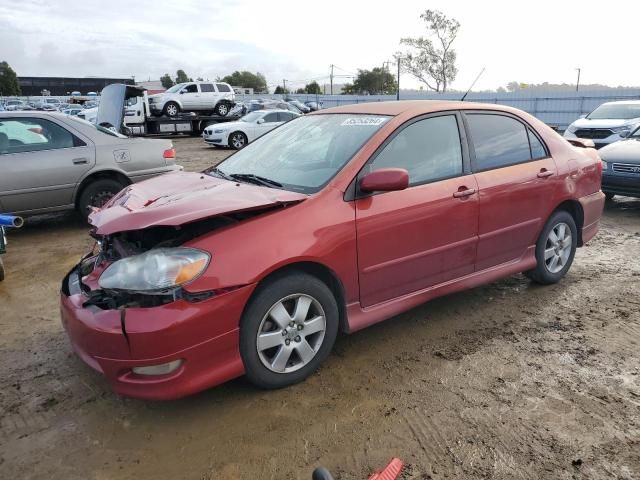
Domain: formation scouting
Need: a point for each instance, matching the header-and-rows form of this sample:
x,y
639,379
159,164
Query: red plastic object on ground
x,y
390,472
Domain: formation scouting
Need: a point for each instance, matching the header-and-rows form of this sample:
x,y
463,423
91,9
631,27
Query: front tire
x,y
288,330
96,194
171,109
555,249
238,140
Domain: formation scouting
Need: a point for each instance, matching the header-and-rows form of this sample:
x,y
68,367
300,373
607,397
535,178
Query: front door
x,y
190,97
516,181
425,235
41,163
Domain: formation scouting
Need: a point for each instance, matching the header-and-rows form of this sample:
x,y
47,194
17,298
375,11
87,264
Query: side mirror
x,y
182,91
385,180
625,134
583,116
260,120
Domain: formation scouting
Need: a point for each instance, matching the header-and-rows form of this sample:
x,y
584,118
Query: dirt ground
x,y
505,381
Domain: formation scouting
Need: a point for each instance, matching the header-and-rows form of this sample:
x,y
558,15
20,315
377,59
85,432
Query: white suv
x,y
209,97
610,122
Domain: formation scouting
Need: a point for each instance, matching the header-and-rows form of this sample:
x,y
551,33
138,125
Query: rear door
x,y
208,95
516,180
425,235
41,162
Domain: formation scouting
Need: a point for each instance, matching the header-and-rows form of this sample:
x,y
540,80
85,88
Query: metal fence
x,y
557,109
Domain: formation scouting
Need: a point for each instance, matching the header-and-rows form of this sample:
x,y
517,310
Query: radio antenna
x,y
474,82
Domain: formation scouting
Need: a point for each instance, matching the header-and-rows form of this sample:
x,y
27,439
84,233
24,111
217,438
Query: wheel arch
x,y
322,273
109,174
574,208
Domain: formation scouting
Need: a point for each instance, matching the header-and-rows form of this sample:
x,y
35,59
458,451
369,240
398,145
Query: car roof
x,y
623,102
416,107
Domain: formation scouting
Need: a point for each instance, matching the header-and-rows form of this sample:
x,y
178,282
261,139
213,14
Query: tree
x,y
280,91
313,88
182,77
373,82
301,90
246,79
8,80
432,59
167,81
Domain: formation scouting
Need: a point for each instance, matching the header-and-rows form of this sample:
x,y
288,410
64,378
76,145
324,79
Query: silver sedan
x,y
52,162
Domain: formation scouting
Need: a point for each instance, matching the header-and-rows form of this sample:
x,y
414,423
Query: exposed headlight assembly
x,y
155,271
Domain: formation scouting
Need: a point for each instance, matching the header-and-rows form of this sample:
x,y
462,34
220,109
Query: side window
x,y
191,88
223,87
498,141
428,149
207,87
285,117
537,149
271,117
23,134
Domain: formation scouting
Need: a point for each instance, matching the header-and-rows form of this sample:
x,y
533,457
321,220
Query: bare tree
x,y
432,59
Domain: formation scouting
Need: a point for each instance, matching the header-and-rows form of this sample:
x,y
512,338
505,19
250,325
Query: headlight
x,y
626,129
604,165
155,270
572,128
220,130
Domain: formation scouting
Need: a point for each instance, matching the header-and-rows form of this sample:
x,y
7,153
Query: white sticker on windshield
x,y
363,121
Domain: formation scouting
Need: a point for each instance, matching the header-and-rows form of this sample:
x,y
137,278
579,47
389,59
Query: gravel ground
x,y
509,380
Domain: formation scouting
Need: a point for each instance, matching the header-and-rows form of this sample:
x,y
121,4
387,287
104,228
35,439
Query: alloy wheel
x,y
237,140
223,110
291,333
558,247
172,110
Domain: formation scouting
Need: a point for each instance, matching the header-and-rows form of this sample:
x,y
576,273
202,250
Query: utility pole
x,y
331,79
284,86
398,92
578,82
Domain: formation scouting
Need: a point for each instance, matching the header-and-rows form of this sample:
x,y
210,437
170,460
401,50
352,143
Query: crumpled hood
x,y
178,198
604,123
625,151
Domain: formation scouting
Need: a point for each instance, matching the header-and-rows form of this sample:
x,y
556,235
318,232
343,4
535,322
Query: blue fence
x,y
557,109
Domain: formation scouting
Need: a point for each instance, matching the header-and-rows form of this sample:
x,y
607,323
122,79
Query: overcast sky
x,y
530,42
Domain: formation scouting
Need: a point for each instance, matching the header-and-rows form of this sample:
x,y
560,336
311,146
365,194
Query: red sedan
x,y
332,222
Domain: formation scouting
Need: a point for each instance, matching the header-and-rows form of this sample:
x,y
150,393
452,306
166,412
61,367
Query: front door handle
x,y
80,161
464,192
543,173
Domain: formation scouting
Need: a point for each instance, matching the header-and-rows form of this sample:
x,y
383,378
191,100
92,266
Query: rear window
x,y
222,87
498,141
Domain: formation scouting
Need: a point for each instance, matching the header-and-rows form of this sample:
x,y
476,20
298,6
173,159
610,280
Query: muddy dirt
x,y
505,381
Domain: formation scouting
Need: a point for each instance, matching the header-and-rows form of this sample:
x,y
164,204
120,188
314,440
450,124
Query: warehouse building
x,y
60,86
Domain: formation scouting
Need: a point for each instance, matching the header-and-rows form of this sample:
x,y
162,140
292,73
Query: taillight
x,y
169,153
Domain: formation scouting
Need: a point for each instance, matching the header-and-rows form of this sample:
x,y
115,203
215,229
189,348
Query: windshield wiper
x,y
257,179
220,173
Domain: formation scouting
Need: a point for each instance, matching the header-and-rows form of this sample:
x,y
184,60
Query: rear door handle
x,y
80,161
545,173
464,192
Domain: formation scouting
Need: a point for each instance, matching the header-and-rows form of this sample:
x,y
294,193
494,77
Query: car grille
x,y
593,133
626,168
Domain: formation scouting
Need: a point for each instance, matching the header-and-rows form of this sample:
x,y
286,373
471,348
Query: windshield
x,y
305,153
175,88
616,111
252,117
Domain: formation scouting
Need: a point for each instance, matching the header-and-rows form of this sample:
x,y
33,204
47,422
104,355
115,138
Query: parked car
x,y
314,106
239,134
13,105
334,221
214,97
299,105
609,123
54,162
621,167
73,110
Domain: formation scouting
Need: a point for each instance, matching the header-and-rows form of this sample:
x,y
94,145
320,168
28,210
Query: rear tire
x,y
555,249
287,330
222,109
96,194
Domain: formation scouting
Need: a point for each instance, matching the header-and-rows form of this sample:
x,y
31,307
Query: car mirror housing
x,y
385,180
260,120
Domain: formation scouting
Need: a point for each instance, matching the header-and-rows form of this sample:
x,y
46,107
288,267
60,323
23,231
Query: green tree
x,y
167,81
280,91
373,82
432,59
8,80
182,77
245,79
313,88
301,90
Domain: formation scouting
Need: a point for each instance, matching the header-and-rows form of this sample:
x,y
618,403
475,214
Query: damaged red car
x,y
330,223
